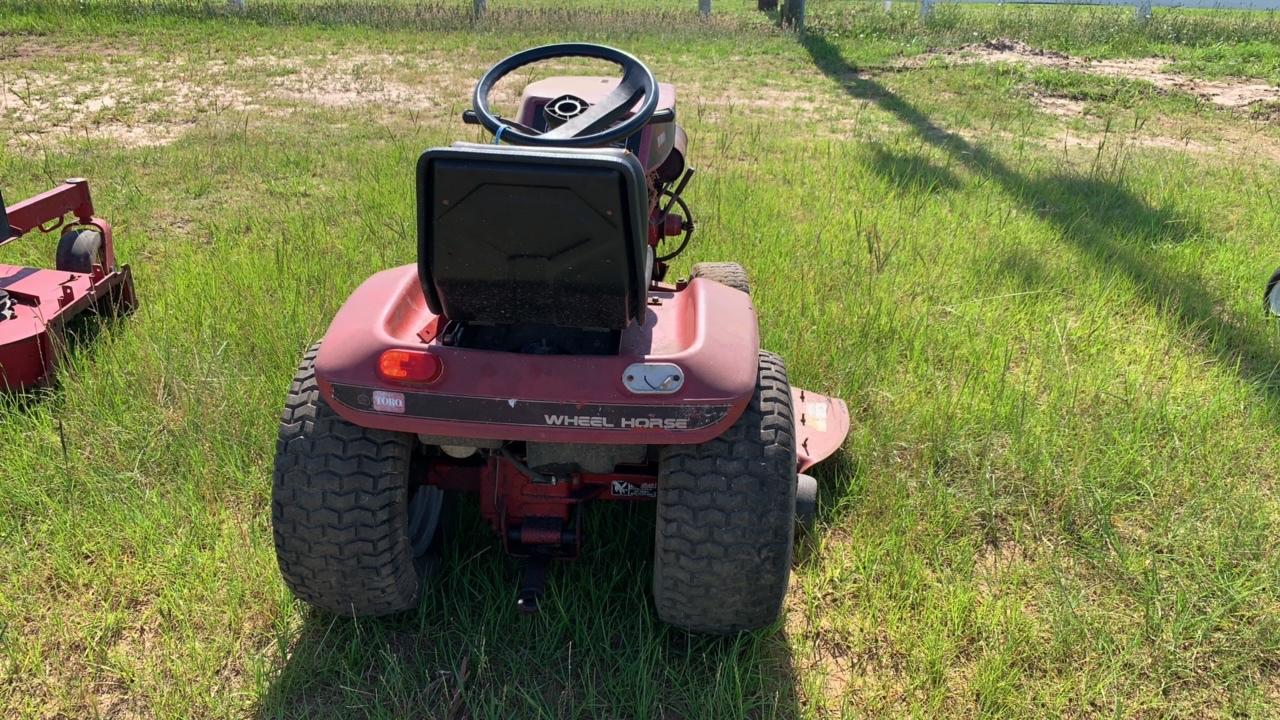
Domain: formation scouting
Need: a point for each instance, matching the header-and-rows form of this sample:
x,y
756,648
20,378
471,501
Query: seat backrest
x,y
522,236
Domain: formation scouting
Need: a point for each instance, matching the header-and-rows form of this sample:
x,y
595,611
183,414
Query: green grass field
x,y
1059,497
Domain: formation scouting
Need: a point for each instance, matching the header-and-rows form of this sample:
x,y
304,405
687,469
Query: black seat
x,y
517,236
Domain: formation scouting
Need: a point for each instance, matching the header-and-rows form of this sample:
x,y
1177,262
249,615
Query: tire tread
x,y
338,518
726,517
726,273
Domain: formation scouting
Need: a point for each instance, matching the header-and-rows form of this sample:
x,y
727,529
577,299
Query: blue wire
x,y
497,137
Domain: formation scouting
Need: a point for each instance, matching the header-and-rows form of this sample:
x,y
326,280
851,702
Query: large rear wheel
x,y
355,534
726,517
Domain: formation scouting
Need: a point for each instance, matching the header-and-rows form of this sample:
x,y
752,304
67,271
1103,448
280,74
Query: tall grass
x,y
1058,497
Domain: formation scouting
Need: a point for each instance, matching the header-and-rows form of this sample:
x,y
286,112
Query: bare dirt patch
x,y
1070,140
359,80
992,563
1060,106
134,110
725,102
139,102
858,668
1233,94
1245,143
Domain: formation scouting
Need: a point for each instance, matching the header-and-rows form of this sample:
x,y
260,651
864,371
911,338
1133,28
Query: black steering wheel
x,y
593,128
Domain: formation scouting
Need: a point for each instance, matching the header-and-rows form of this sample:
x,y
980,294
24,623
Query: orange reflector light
x,y
409,366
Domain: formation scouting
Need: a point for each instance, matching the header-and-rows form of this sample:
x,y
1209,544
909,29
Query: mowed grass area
x,y
1058,499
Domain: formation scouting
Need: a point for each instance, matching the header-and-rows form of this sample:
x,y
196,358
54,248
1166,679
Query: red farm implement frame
x,y
37,303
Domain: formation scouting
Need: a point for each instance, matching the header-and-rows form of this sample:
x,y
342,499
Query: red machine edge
x,y
37,303
546,398
483,399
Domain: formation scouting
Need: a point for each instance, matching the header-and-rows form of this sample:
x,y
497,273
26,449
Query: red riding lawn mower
x,y
535,356
37,303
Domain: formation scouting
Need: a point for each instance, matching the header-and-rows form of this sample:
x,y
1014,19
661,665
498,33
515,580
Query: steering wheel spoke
x,y
603,123
604,113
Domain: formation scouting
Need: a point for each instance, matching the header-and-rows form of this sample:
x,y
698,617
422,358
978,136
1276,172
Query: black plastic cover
x,y
514,236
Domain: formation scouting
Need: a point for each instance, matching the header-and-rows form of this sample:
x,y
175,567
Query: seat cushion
x,y
522,236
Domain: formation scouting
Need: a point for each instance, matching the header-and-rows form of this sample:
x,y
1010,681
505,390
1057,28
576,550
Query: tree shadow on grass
x,y
596,649
1105,221
911,173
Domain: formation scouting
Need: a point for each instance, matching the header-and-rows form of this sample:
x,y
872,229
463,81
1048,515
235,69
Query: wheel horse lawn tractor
x,y
535,356
37,303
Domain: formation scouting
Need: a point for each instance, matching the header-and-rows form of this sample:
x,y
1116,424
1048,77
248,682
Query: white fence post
x,y
1143,10
926,9
704,7
888,6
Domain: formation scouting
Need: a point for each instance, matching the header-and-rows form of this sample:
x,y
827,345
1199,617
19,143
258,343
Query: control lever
x,y
679,188
662,116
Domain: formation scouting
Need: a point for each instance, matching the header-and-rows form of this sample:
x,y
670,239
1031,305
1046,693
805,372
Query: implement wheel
x,y
79,251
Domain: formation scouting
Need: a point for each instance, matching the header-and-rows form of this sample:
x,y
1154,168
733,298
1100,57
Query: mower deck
x,y
41,301
822,423
44,301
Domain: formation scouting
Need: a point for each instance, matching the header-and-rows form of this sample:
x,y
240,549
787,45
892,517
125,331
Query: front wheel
x,y
355,534
726,273
726,517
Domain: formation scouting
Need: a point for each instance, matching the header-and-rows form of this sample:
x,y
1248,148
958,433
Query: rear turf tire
x,y
725,273
726,517
341,506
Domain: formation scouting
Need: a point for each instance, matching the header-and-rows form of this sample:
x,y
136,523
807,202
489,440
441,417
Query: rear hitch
x,y
533,585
